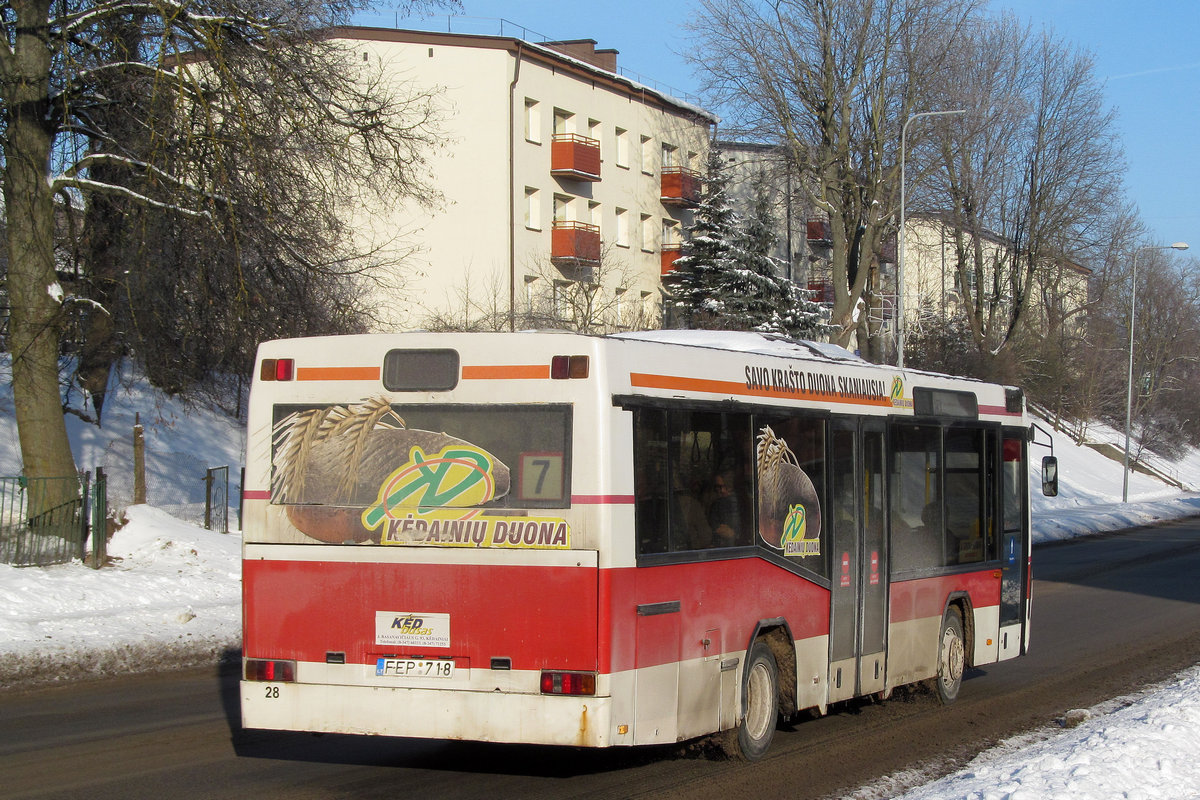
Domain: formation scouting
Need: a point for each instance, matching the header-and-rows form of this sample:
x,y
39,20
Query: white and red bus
x,y
600,541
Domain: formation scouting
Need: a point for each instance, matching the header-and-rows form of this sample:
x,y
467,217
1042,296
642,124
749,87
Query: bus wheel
x,y
760,690
952,656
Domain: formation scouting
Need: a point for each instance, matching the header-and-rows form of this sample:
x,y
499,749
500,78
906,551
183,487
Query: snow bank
x,y
1142,746
171,596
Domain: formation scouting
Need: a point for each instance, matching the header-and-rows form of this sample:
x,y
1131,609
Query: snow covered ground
x,y
172,596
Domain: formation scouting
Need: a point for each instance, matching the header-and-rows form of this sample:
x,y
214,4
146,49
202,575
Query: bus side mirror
x,y
1050,476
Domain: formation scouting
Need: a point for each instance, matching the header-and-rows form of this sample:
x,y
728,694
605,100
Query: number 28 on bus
x,y
612,541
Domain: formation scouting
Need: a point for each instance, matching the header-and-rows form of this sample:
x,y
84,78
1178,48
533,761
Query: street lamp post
x,y
1129,379
900,235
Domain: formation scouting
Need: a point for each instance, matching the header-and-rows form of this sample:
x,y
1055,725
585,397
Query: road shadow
x,y
1158,561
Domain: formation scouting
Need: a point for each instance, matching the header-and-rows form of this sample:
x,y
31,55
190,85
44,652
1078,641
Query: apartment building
x,y
1060,286
556,171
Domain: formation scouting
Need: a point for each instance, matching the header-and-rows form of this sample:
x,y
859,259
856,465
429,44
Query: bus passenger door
x,y
858,623
1013,555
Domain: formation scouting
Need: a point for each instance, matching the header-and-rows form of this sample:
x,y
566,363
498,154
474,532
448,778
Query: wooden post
x,y
139,461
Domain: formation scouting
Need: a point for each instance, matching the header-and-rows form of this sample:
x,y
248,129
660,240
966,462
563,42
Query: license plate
x,y
414,668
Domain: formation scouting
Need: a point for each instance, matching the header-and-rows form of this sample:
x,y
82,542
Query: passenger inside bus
x,y
725,513
689,520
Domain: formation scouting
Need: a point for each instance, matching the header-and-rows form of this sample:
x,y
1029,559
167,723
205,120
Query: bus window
x,y
346,454
916,497
964,496
1012,502
694,480
650,478
711,476
791,484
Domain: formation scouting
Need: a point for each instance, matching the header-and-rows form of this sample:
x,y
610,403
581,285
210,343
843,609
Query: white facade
x,y
491,235
931,273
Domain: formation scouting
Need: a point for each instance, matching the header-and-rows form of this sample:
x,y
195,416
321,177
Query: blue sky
x,y
1147,54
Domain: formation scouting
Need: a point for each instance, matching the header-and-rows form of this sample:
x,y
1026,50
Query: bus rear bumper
x,y
431,714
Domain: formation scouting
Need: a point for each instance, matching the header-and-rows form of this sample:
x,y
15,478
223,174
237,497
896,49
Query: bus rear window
x,y
420,457
420,370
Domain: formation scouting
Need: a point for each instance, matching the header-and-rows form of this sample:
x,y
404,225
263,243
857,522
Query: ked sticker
x,y
409,629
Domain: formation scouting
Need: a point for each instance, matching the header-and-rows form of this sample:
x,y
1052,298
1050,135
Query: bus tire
x,y
752,737
952,656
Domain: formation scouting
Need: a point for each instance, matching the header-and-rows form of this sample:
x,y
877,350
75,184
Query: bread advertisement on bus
x,y
357,473
789,508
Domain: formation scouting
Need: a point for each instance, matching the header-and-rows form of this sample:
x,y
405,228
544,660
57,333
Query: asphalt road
x,y
1111,614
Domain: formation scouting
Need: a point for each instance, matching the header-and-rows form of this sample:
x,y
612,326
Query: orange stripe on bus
x,y
646,381
508,371
337,373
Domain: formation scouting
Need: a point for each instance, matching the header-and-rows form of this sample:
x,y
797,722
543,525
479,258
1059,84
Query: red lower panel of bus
x,y
535,616
720,602
926,597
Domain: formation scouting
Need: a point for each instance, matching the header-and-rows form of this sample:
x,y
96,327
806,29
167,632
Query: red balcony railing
x,y
819,231
822,291
575,243
670,254
575,157
680,187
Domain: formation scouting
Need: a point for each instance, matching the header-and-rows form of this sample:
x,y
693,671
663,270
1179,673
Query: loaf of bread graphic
x,y
332,464
782,484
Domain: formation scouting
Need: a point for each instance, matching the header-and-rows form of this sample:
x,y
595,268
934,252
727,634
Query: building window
x,y
622,138
562,208
594,214
533,121
563,122
647,233
530,280
594,133
670,232
669,153
647,155
558,299
533,210
622,227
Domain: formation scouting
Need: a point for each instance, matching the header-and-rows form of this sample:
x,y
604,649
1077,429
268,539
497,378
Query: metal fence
x,y
43,520
216,499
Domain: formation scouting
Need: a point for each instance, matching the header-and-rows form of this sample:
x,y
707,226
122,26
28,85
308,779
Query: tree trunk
x,y
36,317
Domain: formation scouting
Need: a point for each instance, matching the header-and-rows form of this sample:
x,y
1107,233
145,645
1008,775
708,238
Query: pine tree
x,y
784,307
728,280
700,275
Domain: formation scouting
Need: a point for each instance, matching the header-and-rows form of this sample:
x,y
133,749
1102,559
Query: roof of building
x,y
576,55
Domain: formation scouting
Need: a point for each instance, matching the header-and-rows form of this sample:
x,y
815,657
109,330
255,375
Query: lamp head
x,y
1180,246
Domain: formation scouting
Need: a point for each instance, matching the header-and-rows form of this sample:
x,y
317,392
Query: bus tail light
x,y
259,669
277,369
568,683
565,367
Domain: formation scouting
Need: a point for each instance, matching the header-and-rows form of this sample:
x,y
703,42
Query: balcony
x,y
574,244
670,254
819,232
575,157
680,187
822,290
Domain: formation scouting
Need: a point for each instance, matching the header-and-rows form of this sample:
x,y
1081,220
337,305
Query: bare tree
x,y
1035,167
1166,352
833,82
190,110
601,297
